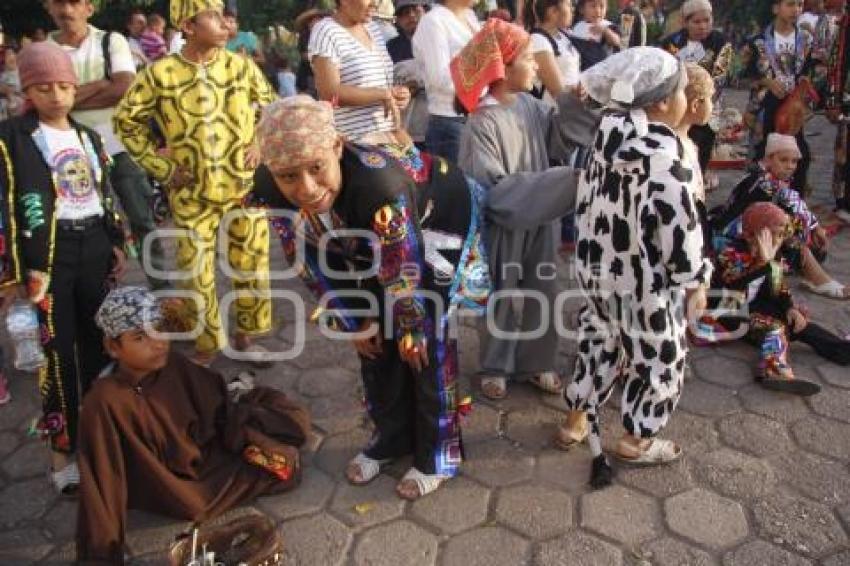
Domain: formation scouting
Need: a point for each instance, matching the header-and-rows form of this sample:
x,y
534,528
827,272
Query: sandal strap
x,y
369,467
66,477
426,483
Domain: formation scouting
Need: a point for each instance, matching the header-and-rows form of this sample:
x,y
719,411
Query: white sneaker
x,y
67,480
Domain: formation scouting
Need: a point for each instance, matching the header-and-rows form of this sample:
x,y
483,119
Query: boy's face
x,y
70,14
52,100
594,10
207,29
231,25
565,14
520,74
408,18
699,25
781,164
313,185
700,109
139,352
788,10
136,25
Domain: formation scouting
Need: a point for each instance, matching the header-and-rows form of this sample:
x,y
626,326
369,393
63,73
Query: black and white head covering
x,y
633,79
128,308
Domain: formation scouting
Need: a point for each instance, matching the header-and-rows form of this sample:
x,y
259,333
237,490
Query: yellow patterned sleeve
x,y
132,126
262,92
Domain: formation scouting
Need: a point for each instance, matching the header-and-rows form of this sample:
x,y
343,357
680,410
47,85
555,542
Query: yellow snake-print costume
x,y
207,115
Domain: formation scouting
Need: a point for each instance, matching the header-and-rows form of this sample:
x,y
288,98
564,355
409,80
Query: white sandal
x,y
67,480
658,452
369,468
832,289
425,483
548,382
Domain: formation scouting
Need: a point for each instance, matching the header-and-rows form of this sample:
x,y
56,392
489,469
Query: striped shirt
x,y
358,66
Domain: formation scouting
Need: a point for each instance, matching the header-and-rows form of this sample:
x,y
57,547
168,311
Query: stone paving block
x,y
671,552
61,520
24,546
149,533
799,525
458,505
337,450
536,511
844,515
738,350
481,425
326,382
726,372
761,552
25,501
817,478
30,459
533,427
569,471
834,375
16,416
621,514
756,435
326,354
337,414
317,539
8,442
660,481
778,406
315,490
486,546
706,518
705,399
368,504
824,436
833,403
694,434
577,548
840,559
735,475
498,463
392,544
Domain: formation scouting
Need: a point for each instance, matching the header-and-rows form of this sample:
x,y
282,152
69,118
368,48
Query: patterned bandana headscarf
x,y
182,10
482,62
761,215
295,130
127,308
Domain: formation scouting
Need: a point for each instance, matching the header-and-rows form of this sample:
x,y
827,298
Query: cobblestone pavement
x,y
764,481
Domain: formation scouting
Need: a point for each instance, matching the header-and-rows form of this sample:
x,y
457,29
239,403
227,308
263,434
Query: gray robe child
x,y
508,149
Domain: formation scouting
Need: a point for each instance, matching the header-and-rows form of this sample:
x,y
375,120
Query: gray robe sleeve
x,y
520,200
572,126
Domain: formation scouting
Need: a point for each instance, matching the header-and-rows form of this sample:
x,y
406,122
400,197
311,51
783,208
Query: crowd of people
x,y
410,174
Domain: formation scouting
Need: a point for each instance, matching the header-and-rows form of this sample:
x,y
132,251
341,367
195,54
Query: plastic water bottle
x,y
22,323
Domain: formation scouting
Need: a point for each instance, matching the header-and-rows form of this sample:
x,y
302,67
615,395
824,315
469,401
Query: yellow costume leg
x,y
248,256
196,255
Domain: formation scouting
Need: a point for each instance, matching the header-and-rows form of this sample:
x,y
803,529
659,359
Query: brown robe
x,y
172,444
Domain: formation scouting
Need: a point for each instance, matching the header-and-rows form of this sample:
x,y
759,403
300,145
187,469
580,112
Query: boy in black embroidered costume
x,y
639,255
63,240
425,218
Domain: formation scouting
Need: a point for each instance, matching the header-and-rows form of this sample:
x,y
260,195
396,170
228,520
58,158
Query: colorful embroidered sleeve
x,y
10,272
791,201
132,126
400,268
722,66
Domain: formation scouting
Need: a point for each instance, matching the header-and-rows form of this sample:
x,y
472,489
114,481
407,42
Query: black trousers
x,y
415,412
74,347
841,174
829,346
771,105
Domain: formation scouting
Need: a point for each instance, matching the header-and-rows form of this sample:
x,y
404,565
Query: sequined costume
x,y
424,218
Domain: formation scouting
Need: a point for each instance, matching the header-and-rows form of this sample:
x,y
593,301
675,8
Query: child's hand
x,y
776,88
119,266
180,178
414,352
765,247
797,320
401,96
252,156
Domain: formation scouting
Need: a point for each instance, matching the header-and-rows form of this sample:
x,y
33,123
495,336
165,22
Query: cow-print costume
x,y
639,249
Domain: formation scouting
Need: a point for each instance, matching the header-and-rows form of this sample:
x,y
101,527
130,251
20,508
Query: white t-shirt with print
x,y
786,52
90,66
76,190
568,60
692,52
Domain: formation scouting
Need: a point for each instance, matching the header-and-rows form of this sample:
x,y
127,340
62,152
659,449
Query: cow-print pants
x,y
647,348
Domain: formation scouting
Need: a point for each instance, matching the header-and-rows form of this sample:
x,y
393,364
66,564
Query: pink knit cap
x,y
780,142
45,62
